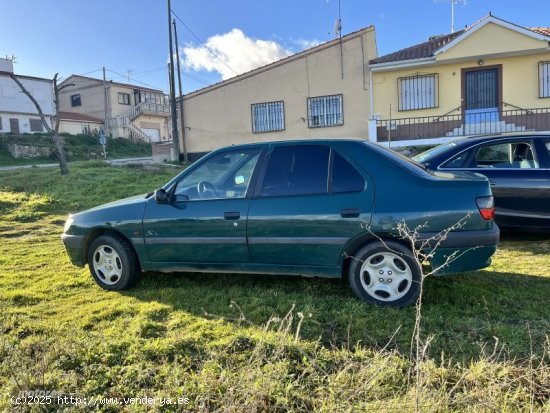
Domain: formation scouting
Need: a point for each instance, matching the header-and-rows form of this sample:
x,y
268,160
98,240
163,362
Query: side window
x,y
506,155
225,175
296,170
345,177
457,161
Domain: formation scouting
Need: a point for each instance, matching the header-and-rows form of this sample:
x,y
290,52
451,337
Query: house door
x,y
481,96
14,126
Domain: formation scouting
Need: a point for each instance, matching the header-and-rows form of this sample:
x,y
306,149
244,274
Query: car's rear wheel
x,y
386,274
113,263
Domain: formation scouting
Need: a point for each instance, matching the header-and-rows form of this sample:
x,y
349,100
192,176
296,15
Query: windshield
x,y
430,153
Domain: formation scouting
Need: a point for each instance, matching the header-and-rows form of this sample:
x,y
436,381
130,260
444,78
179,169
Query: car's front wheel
x,y
113,263
386,274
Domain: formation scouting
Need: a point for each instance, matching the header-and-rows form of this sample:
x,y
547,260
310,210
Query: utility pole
x,y
185,158
175,134
107,129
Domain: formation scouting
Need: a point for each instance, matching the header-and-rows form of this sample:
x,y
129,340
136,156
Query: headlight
x,y
68,224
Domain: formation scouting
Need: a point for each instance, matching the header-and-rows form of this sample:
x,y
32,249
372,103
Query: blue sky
x,y
76,36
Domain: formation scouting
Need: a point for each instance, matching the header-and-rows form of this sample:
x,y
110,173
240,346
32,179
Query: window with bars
x,y
268,117
544,79
325,111
36,125
418,92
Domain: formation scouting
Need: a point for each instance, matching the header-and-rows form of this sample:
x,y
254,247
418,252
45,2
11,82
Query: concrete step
x,y
488,127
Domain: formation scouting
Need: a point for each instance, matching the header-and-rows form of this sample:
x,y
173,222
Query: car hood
x,y
133,201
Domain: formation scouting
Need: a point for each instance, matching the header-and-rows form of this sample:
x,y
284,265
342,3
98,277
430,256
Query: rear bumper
x,y
462,251
73,245
460,239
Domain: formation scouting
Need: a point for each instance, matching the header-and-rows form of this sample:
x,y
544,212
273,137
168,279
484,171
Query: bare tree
x,y
54,132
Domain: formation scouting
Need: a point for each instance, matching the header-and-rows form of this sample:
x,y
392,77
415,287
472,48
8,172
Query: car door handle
x,y
350,212
231,215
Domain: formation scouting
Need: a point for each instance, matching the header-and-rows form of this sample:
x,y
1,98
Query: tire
x,y
113,263
385,274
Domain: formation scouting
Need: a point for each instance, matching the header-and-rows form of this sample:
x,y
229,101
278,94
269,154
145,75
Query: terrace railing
x,y
452,124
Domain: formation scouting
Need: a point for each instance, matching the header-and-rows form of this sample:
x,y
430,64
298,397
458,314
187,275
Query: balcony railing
x,y
449,125
149,108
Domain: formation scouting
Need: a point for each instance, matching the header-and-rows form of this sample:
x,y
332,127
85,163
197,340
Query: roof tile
x,y
79,117
418,51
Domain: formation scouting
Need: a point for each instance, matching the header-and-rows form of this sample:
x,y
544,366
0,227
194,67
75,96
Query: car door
x,y
205,218
310,201
519,180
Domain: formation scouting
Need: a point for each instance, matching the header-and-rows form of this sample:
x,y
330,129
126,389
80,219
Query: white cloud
x,y
236,53
304,44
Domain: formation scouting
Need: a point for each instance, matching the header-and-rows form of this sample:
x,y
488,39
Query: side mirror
x,y
161,196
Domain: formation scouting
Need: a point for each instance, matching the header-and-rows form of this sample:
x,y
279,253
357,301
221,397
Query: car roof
x,y
482,138
294,141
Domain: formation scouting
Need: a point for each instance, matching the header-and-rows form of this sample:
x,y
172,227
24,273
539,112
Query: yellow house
x,y
491,77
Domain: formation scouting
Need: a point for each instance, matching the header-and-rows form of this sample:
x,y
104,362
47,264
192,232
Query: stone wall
x,y
163,152
29,151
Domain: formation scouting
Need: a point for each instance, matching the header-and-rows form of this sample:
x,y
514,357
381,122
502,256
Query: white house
x,y
17,113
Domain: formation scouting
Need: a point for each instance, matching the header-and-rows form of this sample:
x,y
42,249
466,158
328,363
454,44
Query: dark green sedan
x,y
329,208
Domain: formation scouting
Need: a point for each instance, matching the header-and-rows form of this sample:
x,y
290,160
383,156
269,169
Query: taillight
x,y
486,206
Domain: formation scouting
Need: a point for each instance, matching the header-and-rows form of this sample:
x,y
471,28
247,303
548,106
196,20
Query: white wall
x,y
24,122
13,100
6,65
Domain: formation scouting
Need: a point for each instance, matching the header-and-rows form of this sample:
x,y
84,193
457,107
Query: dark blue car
x,y
518,167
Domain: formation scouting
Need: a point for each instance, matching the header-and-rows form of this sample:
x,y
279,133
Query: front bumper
x,y
73,245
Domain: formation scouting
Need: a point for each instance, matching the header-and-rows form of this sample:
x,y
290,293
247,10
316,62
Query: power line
x,y
89,73
204,82
204,44
137,81
149,71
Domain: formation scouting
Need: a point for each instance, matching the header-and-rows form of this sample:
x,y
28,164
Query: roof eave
x,y
491,19
280,62
400,64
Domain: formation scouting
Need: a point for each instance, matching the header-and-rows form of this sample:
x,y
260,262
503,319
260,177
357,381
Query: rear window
x,y
396,157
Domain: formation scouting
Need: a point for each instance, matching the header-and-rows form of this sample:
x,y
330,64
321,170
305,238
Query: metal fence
x,y
458,124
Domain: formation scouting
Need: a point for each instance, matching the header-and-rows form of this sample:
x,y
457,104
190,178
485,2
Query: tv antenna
x,y
453,2
338,23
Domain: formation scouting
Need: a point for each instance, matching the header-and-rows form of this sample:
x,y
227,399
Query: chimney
x,y
6,65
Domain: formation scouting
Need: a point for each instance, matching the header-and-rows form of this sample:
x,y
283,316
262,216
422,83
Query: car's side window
x,y
457,162
517,155
345,177
225,175
296,170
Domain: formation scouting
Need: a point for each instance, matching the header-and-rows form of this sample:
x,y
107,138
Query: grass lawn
x,y
254,343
